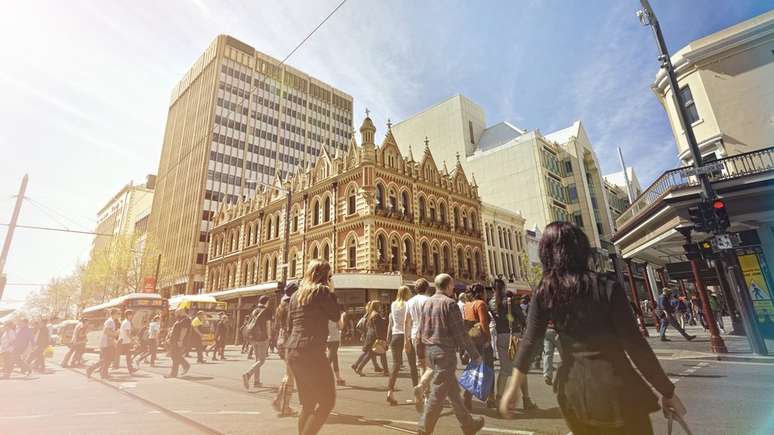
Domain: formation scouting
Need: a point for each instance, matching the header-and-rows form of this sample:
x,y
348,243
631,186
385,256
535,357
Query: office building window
x,y
689,104
470,130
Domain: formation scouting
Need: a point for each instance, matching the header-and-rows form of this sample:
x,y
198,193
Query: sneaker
x,y
690,337
529,405
246,381
475,426
665,339
548,380
419,398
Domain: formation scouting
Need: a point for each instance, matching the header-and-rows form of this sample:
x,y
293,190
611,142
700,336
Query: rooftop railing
x,y
729,168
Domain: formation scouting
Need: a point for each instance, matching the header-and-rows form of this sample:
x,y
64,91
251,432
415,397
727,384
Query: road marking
x,y
23,417
689,371
125,385
485,429
85,414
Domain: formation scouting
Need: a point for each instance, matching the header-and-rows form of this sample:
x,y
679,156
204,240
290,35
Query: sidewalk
x,y
699,348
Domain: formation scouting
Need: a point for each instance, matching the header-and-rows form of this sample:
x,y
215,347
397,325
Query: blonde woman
x,y
376,329
396,338
310,310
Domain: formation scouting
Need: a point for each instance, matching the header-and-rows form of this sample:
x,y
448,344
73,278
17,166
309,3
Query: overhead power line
x,y
312,32
63,230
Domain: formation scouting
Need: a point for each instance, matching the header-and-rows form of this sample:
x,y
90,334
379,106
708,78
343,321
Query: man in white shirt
x,y
125,339
107,346
411,323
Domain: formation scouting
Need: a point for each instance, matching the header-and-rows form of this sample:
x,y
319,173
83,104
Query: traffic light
x,y
702,217
692,251
707,250
720,214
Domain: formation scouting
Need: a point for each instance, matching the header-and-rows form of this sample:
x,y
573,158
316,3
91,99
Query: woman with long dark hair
x,y
376,329
311,307
598,389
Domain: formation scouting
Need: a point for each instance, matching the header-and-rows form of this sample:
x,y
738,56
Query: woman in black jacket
x,y
376,329
311,307
598,390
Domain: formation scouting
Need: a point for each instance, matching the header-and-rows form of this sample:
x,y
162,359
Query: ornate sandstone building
x,y
380,219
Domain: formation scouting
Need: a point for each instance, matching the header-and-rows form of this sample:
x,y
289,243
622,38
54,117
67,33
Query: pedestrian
x,y
107,346
197,336
77,345
41,340
243,335
411,324
152,342
334,341
549,346
598,389
476,319
220,333
509,324
177,343
259,330
462,299
682,311
441,333
19,346
375,341
125,340
311,307
281,402
7,336
397,338
665,311
716,310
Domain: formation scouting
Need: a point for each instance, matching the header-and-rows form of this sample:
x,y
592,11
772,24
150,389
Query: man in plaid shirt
x,y
441,333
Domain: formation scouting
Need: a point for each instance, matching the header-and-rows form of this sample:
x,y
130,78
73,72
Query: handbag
x,y
478,379
671,416
513,342
379,347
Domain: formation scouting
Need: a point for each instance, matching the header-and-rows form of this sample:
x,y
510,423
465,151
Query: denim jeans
x,y
669,319
443,362
549,345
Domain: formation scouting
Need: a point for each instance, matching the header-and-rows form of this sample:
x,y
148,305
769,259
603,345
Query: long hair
x,y
372,310
499,292
565,254
316,279
403,294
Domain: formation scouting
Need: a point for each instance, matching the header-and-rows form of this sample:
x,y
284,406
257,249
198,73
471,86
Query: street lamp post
x,y
728,256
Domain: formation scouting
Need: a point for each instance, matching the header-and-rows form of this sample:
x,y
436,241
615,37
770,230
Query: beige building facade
x,y
726,81
506,252
124,213
372,212
543,177
237,119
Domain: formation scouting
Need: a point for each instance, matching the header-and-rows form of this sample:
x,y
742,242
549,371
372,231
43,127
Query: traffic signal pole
x,y
9,234
728,256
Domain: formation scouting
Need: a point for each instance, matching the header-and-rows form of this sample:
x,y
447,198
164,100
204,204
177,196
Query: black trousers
x,y
316,388
411,355
634,425
177,361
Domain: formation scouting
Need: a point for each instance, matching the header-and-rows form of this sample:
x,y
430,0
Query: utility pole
x,y
712,225
286,242
9,234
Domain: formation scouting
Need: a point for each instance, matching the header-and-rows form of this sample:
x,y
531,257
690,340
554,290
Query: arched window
x,y
268,228
500,236
274,269
408,253
460,262
436,260
293,264
432,211
478,270
327,252
447,264
424,255
315,253
249,235
351,201
421,208
381,246
405,202
379,196
473,224
327,209
456,217
442,212
352,253
276,226
394,254
266,270
295,221
468,265
464,220
316,212
392,200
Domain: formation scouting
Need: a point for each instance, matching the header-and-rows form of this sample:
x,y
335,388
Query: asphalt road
x,y
722,397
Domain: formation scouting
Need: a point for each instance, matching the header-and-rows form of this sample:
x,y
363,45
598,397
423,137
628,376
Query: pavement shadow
x,y
196,378
354,420
373,389
696,376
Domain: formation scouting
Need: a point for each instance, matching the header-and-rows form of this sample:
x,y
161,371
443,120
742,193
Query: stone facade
x,y
370,210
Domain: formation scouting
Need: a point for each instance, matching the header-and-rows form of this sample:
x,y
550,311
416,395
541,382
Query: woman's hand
x,y
511,394
674,405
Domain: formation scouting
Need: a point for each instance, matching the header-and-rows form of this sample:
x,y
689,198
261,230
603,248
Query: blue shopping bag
x,y
477,378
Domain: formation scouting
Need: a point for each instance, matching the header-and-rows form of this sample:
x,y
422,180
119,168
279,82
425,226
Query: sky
x,y
85,85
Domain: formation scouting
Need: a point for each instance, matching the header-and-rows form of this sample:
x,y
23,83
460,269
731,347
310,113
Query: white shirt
x,y
105,340
125,333
398,315
334,333
414,310
153,330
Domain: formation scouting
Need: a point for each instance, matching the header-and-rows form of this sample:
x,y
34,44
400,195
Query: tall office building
x,y
545,178
237,119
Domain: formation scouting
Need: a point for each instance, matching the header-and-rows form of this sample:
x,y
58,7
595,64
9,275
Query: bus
x,y
144,305
63,332
192,304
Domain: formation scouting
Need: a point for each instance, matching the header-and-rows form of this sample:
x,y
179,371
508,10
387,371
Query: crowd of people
x,y
582,313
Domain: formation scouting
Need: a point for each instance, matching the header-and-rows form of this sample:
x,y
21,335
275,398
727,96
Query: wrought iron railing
x,y
738,166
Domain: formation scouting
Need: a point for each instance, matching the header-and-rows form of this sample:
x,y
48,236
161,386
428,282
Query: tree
x,y
58,299
533,272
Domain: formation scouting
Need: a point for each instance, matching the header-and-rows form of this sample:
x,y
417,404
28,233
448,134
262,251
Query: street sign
x,y
149,284
722,242
705,169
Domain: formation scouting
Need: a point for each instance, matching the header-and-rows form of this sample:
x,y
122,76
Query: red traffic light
x,y
718,204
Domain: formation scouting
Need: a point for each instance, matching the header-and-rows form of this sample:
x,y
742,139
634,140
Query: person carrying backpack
x,y
258,332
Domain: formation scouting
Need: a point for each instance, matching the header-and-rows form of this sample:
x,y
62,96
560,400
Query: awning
x,y
367,281
174,301
241,292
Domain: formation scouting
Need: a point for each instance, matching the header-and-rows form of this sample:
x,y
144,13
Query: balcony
x,y
729,168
